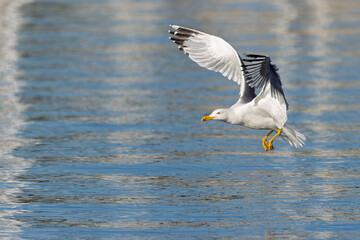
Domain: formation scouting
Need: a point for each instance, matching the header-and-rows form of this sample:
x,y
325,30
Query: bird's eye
x,y
218,113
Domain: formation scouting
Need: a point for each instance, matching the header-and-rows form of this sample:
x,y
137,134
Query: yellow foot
x,y
265,144
271,147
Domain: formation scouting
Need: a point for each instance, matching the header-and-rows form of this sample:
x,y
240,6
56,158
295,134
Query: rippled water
x,y
100,123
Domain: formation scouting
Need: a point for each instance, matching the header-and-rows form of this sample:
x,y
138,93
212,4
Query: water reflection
x,y
117,147
11,120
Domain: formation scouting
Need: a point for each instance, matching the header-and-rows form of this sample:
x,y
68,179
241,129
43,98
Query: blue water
x,y
101,135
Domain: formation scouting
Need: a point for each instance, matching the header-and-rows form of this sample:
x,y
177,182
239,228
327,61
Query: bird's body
x,y
266,110
257,114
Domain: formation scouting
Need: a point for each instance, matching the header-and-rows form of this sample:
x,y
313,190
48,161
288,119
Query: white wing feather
x,y
277,109
209,51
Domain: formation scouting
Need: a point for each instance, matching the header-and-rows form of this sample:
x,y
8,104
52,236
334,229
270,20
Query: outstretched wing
x,y
259,72
213,53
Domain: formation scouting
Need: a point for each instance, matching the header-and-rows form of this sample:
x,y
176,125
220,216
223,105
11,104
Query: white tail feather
x,y
293,137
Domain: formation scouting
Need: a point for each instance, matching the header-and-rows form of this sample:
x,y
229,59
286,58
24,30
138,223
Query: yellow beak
x,y
206,118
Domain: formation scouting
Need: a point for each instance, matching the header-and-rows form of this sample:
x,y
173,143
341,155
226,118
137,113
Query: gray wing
x,y
259,72
213,53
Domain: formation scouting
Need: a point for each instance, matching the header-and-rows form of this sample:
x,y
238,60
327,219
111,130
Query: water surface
x,y
101,135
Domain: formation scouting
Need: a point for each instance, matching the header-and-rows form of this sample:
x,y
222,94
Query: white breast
x,y
253,116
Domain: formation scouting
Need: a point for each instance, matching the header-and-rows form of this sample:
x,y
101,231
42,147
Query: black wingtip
x,y
252,55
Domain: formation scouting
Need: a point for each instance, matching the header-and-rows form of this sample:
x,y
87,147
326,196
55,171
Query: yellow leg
x,y
271,147
265,144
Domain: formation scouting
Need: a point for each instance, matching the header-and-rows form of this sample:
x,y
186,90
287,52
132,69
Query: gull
x,y
266,110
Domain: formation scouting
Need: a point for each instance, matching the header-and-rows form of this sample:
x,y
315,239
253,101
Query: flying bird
x,y
266,110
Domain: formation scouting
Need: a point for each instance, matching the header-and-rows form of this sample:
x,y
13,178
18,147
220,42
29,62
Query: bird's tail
x,y
293,137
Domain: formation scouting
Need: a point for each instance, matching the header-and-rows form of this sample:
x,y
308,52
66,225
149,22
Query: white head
x,y
218,114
